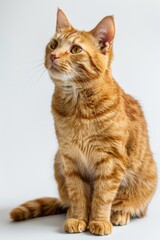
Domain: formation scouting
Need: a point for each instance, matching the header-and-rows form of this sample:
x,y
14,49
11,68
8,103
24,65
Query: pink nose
x,y
53,57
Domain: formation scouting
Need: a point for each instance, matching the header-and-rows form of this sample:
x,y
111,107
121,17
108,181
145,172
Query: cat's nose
x,y
53,57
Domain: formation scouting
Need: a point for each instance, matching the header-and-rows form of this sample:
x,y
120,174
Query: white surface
x,y
27,139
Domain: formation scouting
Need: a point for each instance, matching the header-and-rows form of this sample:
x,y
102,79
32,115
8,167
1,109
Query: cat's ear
x,y
62,22
104,32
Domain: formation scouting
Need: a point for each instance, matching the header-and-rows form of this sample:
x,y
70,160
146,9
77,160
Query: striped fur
x,y
104,166
38,208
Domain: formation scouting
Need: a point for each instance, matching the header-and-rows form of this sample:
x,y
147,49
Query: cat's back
x,y
138,147
133,110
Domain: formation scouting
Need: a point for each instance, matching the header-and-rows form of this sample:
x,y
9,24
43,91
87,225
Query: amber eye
x,y
53,44
76,49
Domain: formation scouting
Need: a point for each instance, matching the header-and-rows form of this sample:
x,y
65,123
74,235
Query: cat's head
x,y
74,56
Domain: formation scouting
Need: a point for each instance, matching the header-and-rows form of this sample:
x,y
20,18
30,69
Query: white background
x,y
27,138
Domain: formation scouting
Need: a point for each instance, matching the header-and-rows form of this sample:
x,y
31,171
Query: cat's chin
x,y
59,76
54,69
55,73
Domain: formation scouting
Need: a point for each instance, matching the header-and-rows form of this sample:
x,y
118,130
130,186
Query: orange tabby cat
x,y
104,166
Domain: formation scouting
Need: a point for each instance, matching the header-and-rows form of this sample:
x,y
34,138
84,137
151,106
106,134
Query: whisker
x,y
34,80
22,78
40,77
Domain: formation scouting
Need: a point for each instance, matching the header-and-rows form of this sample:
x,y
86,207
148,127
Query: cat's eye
x,y
76,49
53,44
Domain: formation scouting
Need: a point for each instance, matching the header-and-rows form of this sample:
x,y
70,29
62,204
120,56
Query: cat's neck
x,y
87,99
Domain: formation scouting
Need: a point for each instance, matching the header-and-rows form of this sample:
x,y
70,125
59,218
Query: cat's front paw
x,y
75,225
100,227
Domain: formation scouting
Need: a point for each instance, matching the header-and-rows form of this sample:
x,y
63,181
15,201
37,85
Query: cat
x,y
104,166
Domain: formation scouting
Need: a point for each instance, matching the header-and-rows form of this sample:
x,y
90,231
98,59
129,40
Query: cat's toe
x,y
75,225
120,218
100,227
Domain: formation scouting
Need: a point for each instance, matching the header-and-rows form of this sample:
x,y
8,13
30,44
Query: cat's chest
x,y
75,133
76,139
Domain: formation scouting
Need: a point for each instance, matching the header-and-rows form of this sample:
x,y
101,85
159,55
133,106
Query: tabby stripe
x,y
92,76
113,152
66,35
102,113
105,139
62,113
75,174
92,63
97,164
69,158
104,177
105,202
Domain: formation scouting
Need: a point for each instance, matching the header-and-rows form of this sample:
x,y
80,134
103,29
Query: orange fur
x,y
104,166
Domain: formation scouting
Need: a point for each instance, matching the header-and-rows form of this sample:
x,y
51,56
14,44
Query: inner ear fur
x,y
104,32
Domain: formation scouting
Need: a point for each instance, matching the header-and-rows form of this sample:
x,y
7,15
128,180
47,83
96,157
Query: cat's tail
x,y
38,208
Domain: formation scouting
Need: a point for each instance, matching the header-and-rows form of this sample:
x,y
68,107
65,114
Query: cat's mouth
x,y
56,72
54,68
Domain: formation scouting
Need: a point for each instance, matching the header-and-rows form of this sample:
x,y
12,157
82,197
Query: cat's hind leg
x,y
128,203
120,218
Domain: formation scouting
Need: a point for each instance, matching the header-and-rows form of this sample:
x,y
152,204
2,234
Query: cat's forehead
x,y
72,37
